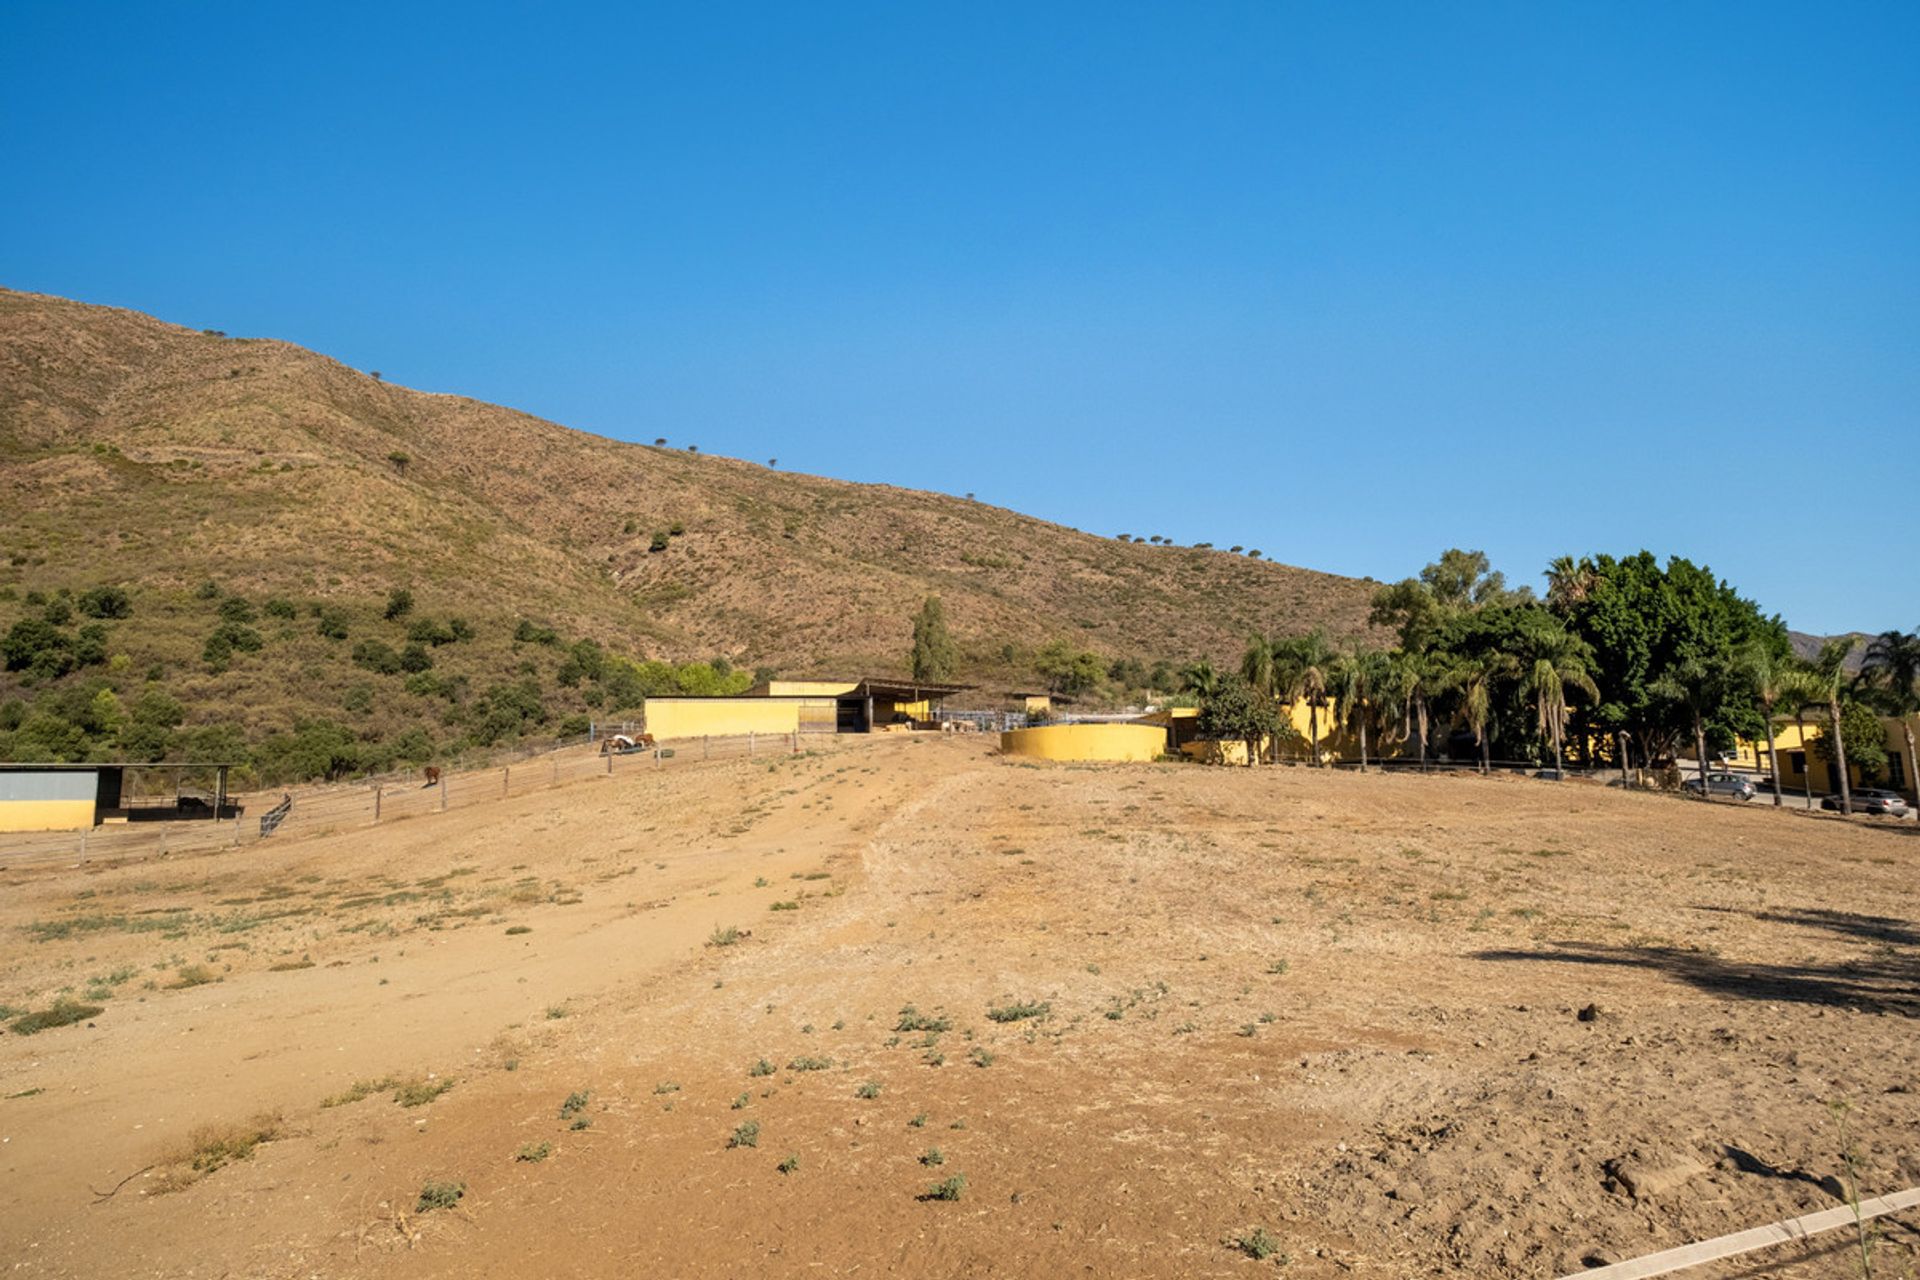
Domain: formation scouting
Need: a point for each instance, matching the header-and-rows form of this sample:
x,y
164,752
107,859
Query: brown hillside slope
x,y
137,451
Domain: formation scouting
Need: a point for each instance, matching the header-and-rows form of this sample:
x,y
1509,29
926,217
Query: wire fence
x,y
278,816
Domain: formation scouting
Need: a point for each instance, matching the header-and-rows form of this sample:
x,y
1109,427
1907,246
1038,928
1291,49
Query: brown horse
x,y
433,775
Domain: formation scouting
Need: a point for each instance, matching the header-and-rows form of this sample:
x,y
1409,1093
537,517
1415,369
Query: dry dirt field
x,y
1402,1026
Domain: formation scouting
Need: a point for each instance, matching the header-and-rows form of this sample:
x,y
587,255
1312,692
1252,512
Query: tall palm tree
x,y
1830,676
1801,690
1260,666
1409,683
1475,677
1303,665
1892,672
1556,661
1358,676
1777,679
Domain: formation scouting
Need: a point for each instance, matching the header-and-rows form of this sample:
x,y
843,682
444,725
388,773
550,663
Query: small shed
x,y
73,797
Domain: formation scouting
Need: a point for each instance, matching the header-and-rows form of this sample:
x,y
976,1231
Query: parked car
x,y
1869,800
1721,784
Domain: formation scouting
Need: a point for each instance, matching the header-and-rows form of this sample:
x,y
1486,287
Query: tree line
x,y
1626,657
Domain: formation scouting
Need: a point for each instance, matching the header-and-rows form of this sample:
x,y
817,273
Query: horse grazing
x,y
433,775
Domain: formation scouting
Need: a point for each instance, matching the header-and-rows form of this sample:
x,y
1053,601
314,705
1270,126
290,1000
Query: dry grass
x,y
210,1148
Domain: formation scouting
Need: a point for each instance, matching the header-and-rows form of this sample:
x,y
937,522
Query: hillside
x,y
191,467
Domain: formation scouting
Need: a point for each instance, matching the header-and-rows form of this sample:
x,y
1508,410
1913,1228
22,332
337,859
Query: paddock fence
x,y
277,815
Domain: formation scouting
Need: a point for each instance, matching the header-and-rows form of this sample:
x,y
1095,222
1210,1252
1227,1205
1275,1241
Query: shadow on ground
x,y
1883,979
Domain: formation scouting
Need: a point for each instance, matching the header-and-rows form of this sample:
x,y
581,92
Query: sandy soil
x,y
1404,1026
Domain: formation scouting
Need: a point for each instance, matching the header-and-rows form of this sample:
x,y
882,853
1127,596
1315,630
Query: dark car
x,y
1870,800
1722,784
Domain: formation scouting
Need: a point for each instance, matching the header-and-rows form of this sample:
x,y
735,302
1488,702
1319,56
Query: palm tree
x,y
1800,691
1358,676
1200,678
1557,660
1892,671
1569,581
1260,666
1408,681
1830,675
1475,676
1303,664
1777,679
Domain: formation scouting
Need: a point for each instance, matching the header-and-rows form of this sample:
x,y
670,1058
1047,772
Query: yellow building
x,y
800,706
73,797
1105,741
1797,758
1334,743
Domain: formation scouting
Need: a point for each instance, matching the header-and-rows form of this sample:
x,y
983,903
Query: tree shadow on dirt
x,y
1883,979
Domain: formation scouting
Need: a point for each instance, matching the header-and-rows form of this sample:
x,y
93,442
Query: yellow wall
x,y
1086,742
45,815
884,711
1787,741
701,717
806,688
1039,703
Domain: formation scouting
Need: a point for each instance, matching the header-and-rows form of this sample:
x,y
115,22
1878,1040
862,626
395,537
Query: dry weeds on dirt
x,y
905,1008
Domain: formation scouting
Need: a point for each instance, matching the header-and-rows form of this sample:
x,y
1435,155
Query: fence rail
x,y
280,816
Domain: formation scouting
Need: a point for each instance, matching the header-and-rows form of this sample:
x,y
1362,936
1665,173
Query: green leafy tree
x,y
1237,712
934,657
1860,745
1067,670
1668,643
106,602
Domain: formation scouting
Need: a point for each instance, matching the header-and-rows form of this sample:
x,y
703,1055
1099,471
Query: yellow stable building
x,y
800,706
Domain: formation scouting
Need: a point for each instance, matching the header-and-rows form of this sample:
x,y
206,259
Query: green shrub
x,y
106,602
1017,1011
439,1195
947,1189
399,604
911,1019
746,1134
64,1012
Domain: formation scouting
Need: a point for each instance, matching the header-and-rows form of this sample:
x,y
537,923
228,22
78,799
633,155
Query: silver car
x,y
1721,784
1871,800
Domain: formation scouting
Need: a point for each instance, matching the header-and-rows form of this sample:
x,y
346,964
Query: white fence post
x,y
376,803
443,793
506,776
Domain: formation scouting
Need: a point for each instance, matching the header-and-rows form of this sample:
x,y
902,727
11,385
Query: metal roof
x,y
21,766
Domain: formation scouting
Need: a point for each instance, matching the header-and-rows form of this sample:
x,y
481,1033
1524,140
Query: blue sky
x,y
1350,283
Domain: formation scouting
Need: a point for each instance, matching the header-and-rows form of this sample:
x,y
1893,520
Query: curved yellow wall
x,y
1086,742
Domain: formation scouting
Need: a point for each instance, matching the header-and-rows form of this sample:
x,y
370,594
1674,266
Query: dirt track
x,y
1342,1009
